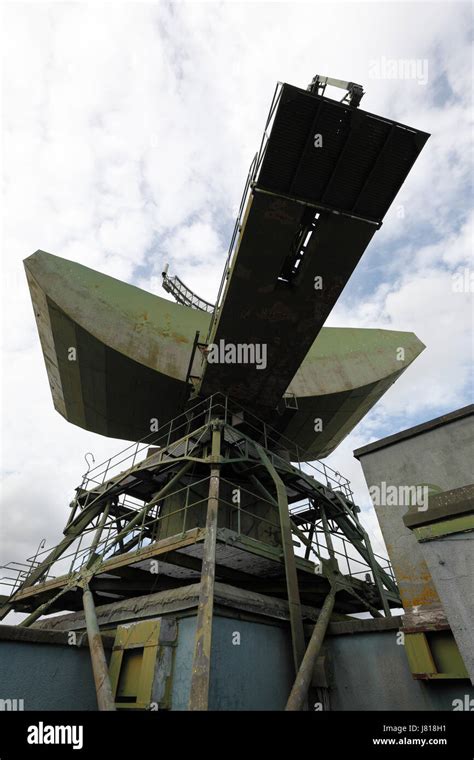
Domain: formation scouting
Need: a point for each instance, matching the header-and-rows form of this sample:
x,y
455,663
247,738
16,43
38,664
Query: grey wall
x,y
450,561
47,676
366,671
369,671
441,456
255,675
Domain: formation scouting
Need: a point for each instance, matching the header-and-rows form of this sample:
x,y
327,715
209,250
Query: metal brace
x,y
352,97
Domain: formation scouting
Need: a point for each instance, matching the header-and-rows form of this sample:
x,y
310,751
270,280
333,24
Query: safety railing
x,y
343,549
178,439
238,515
184,295
171,438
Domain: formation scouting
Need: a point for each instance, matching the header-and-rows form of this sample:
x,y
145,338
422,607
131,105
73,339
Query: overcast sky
x,y
128,129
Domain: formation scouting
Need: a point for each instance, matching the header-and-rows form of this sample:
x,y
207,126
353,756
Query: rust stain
x,y
276,313
278,211
180,338
416,576
425,597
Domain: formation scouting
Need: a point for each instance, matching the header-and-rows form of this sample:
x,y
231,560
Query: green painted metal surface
x,y
442,528
133,353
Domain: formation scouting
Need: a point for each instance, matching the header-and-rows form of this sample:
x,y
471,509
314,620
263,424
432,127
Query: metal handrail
x,y
219,405
185,295
80,553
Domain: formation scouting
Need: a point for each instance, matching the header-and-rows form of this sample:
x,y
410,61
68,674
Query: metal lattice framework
x,y
183,294
215,486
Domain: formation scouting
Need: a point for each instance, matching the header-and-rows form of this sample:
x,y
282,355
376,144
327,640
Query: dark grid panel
x,y
360,167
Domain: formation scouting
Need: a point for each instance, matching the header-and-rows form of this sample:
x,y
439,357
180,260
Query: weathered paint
x,y
141,657
133,348
442,528
366,669
259,309
47,676
130,370
255,674
448,524
299,691
369,671
199,695
433,457
103,688
435,575
292,588
434,655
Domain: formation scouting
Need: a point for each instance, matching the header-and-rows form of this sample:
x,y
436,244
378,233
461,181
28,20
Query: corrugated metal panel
x,y
360,166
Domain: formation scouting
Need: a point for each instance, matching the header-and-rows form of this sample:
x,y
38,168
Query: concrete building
x,y
421,483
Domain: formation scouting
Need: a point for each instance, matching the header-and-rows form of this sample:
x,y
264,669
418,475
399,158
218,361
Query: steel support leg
x,y
105,700
33,616
296,620
299,692
199,697
99,530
